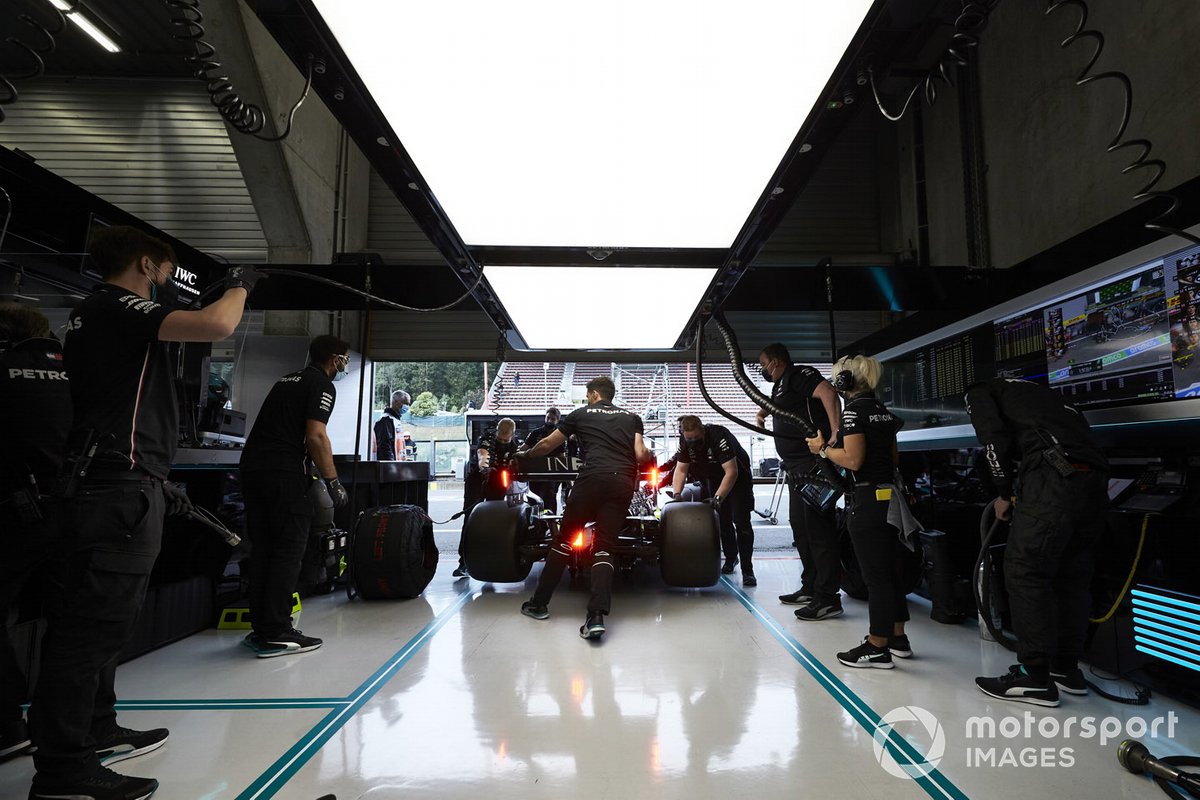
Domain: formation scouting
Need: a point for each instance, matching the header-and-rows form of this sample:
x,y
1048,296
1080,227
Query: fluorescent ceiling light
x,y
618,124
599,308
76,15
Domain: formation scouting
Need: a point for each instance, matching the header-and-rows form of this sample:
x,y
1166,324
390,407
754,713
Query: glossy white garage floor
x,y
696,694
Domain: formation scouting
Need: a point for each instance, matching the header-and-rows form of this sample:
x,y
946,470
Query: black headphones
x,y
843,381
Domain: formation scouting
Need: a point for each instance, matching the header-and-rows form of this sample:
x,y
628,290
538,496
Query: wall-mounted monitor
x,y
1118,341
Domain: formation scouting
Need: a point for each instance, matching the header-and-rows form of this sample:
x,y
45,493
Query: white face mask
x,y
341,362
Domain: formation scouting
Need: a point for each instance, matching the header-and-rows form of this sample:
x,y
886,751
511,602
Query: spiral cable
x,y
36,52
1142,160
248,118
967,27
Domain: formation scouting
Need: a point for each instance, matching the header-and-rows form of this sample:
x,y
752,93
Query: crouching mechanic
x,y
612,439
123,397
288,434
712,453
496,449
1061,502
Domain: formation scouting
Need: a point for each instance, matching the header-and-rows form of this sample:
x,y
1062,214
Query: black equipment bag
x,y
392,553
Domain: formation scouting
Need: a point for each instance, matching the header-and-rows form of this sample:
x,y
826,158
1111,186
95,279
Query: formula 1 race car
x,y
504,538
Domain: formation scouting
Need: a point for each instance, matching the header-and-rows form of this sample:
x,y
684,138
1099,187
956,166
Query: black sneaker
x,y
14,738
867,656
899,646
815,612
461,572
593,627
1019,687
748,579
800,597
535,610
123,743
1071,682
285,644
104,785
727,567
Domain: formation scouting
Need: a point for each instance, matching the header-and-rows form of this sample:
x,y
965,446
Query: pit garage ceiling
x,y
772,231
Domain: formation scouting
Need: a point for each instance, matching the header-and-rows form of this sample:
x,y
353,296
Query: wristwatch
x,y
822,452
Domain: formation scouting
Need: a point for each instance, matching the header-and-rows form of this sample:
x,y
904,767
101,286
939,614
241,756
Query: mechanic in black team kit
x,y
711,453
124,404
35,416
1062,497
547,490
496,448
612,438
868,450
801,390
289,434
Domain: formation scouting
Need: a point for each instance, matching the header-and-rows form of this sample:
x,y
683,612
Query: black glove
x,y
242,276
176,499
522,453
715,502
337,492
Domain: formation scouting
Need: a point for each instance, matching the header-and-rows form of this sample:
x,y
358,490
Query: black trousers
x,y
877,547
548,491
1049,561
737,531
603,498
30,551
279,515
111,537
816,537
472,496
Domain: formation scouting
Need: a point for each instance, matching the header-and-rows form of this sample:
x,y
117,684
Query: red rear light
x,y
578,543
654,477
504,478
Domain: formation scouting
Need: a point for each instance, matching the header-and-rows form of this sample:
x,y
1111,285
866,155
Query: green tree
x,y
457,381
424,405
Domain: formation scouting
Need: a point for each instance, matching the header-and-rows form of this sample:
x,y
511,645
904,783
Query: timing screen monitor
x,y
1185,322
1112,343
1130,338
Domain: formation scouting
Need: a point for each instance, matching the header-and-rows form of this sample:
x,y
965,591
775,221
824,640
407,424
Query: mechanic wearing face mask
x,y
288,438
484,482
547,490
385,426
712,453
127,420
801,390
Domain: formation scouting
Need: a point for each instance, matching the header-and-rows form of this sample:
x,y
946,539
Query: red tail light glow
x,y
578,543
654,477
504,478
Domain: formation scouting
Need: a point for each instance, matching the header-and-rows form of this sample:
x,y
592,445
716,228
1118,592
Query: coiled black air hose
x,y
243,117
1142,161
36,52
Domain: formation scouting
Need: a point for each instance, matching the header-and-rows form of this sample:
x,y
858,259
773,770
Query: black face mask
x,y
694,442
166,294
766,375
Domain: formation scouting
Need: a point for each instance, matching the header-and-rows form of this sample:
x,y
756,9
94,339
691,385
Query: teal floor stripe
x,y
227,705
230,703
279,773
913,762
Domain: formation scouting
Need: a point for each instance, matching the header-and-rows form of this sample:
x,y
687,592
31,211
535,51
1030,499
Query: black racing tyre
x,y
690,545
392,553
492,540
